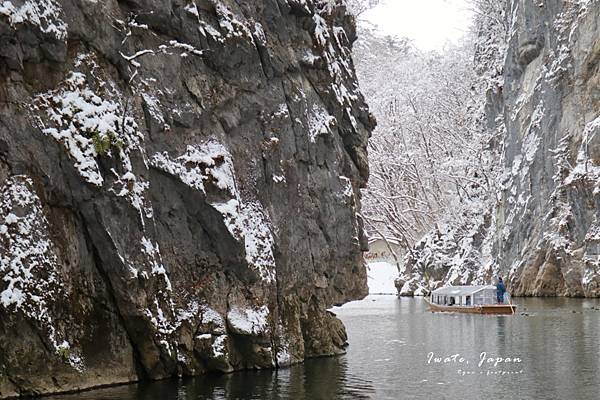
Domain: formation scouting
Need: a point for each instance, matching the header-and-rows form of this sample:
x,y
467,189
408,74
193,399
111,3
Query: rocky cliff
x,y
543,232
547,222
179,186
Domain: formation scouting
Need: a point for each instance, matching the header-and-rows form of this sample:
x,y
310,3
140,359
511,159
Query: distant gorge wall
x,y
542,232
547,224
179,187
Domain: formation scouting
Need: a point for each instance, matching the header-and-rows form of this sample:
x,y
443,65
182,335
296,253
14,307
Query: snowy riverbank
x,y
381,277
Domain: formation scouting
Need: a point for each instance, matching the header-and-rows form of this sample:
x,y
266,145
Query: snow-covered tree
x,y
434,156
423,156
358,7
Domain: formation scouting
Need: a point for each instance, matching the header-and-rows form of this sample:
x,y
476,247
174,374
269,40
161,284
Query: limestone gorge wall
x,y
548,228
179,186
542,231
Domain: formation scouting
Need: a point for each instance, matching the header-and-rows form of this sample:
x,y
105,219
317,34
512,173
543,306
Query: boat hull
x,y
484,309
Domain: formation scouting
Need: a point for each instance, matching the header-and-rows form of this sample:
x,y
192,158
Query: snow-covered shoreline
x,y
380,277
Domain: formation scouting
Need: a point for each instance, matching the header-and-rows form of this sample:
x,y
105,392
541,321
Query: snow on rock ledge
x,y
248,321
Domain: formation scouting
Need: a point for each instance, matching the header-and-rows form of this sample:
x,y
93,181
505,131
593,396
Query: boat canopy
x,y
461,290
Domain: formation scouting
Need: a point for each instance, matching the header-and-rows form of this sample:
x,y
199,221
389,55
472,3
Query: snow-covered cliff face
x,y
547,222
179,187
543,234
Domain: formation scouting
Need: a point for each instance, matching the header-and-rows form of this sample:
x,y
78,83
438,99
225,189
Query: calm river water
x,y
395,346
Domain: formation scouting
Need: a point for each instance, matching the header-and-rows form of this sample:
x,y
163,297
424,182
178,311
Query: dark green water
x,y
393,347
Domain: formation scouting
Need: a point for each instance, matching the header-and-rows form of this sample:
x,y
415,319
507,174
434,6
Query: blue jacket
x,y
500,289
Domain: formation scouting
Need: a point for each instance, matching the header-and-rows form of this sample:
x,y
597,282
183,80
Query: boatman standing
x,y
500,290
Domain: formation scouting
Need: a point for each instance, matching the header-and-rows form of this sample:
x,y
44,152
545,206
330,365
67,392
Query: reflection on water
x,y
400,350
326,378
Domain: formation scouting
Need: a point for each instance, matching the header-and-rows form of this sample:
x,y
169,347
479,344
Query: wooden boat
x,y
468,299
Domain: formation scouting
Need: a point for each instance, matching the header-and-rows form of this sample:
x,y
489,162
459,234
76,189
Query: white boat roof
x,y
461,290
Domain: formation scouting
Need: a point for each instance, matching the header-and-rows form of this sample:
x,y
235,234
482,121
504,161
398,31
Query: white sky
x,y
430,23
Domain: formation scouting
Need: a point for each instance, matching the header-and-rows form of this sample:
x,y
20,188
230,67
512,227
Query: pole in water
x,y
509,303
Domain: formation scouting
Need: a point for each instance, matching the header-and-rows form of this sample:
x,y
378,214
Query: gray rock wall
x,y
179,188
543,105
547,222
